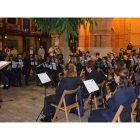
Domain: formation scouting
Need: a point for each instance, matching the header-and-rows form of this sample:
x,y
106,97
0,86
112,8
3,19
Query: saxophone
x,y
107,86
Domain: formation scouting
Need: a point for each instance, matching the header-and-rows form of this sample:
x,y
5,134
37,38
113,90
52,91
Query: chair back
x,y
67,92
117,116
125,115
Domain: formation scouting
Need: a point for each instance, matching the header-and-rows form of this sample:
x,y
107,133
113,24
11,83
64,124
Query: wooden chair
x,y
66,109
134,112
94,101
117,116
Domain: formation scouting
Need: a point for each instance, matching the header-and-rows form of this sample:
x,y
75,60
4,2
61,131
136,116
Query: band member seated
x,y
69,82
138,64
125,95
137,78
93,74
126,61
78,65
98,57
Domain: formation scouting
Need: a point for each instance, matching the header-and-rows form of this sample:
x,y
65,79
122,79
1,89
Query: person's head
x,y
90,65
31,56
36,56
39,57
70,70
112,55
104,59
41,46
129,44
97,55
53,46
137,76
121,49
125,56
118,63
11,57
14,48
48,58
138,59
110,76
20,56
87,53
121,76
31,48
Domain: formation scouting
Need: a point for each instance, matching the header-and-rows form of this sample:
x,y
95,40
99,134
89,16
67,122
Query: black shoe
x,y
5,87
72,111
100,105
45,120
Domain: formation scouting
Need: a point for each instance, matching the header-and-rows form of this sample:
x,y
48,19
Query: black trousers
x,y
48,109
3,78
96,116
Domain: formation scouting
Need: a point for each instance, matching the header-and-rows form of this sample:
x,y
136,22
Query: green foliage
x,y
58,25
34,98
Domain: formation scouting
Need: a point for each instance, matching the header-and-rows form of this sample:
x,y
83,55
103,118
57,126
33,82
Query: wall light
x,y
39,38
5,36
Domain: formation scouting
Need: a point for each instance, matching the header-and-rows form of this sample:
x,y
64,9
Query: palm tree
x,y
65,26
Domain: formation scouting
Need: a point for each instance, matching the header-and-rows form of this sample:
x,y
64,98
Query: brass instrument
x,y
82,75
60,75
107,87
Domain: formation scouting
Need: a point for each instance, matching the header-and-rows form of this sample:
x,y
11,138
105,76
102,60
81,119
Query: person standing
x,y
31,51
14,52
52,51
41,52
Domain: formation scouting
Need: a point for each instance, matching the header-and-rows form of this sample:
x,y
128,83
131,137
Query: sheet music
x,y
3,64
14,64
47,66
91,85
36,63
54,66
44,78
50,66
32,63
20,64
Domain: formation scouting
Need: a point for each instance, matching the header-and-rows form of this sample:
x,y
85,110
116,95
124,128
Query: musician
x,y
112,56
125,95
83,61
31,51
6,72
129,48
104,65
69,82
78,65
121,53
23,70
126,61
88,55
52,51
32,63
138,64
71,59
137,78
93,74
98,57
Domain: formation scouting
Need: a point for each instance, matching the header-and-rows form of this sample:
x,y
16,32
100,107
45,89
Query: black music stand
x,y
43,81
2,65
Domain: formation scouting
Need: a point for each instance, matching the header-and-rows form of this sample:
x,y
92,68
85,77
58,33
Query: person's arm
x,y
116,100
44,51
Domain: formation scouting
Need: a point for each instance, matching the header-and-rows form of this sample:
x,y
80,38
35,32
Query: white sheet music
x,y
91,85
20,64
36,63
14,64
3,64
54,66
47,66
50,66
44,78
32,63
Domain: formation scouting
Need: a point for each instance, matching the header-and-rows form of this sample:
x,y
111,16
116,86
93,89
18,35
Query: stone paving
x,y
24,109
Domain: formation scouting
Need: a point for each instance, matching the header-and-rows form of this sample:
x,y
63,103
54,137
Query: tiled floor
x,y
24,109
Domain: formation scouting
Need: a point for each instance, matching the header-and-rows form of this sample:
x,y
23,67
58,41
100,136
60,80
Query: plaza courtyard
x,y
27,103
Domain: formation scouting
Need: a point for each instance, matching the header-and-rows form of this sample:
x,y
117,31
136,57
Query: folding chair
x,y
66,109
123,114
134,112
117,116
94,101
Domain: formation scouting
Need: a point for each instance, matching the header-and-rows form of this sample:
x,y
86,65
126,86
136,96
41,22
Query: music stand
x,y
3,64
44,80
